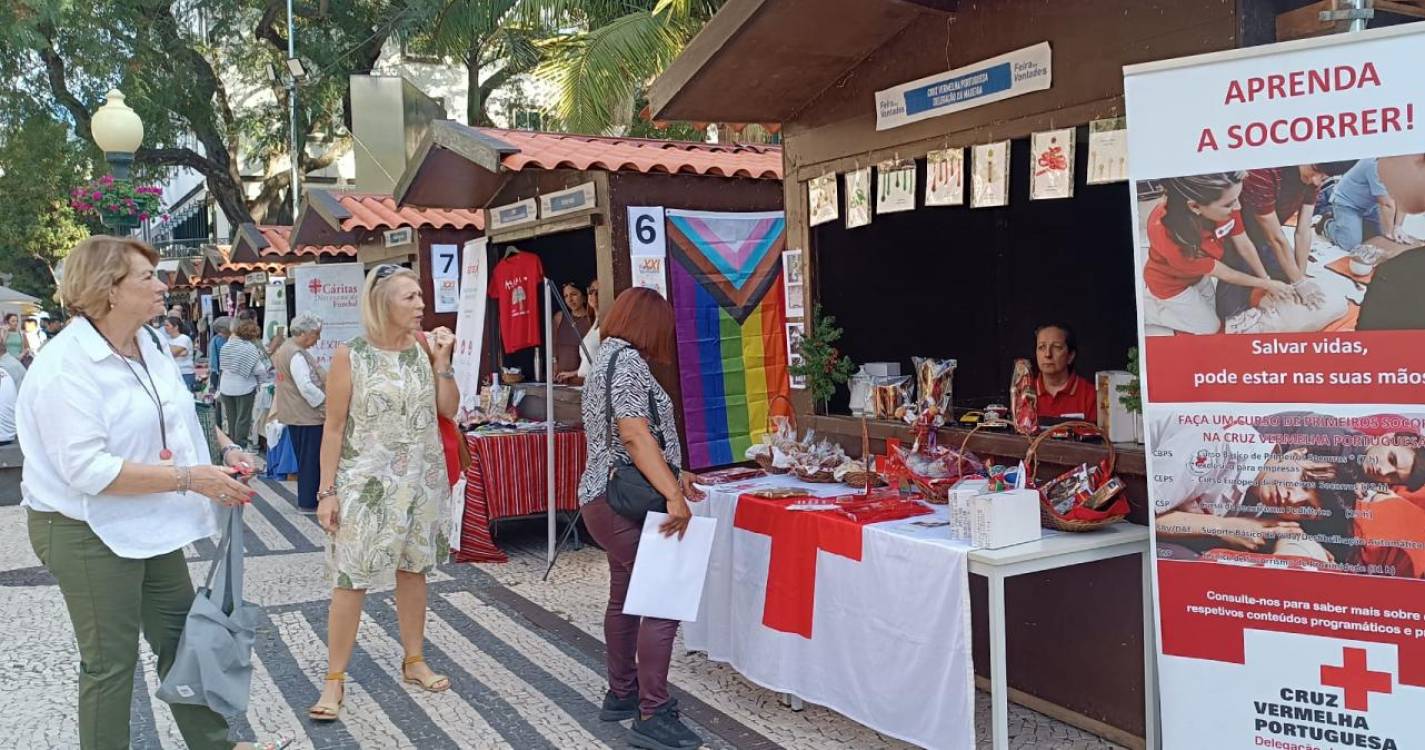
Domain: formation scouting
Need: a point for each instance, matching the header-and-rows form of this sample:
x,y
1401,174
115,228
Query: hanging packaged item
x,y
935,386
1024,398
895,189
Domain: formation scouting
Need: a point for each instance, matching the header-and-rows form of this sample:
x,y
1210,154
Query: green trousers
x,y
110,600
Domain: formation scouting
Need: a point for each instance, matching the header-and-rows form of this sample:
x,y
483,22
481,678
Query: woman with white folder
x,y
624,406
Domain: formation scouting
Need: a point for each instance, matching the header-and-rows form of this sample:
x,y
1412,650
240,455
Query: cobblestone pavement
x,y
524,658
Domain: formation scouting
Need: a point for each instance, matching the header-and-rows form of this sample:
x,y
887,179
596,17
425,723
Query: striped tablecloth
x,y
506,479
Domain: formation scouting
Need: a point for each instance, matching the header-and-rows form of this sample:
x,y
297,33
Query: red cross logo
x,y
1355,677
315,286
797,537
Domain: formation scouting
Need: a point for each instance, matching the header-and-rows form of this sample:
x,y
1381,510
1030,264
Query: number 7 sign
x,y
645,232
445,277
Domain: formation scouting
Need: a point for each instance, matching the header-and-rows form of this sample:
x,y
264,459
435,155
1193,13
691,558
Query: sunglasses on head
x,y
385,270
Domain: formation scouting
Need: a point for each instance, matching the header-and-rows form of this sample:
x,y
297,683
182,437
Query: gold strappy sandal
x,y
326,711
436,684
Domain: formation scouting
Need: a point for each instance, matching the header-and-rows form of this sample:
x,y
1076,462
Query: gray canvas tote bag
x,y
213,666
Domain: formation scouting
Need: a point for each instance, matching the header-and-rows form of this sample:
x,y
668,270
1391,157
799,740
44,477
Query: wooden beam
x,y
611,266
944,6
1306,22
541,228
725,25
1413,9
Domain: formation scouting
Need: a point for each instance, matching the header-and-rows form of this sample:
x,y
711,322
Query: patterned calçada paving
x,y
524,656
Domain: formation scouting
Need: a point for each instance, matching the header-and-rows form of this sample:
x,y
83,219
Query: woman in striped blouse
x,y
243,366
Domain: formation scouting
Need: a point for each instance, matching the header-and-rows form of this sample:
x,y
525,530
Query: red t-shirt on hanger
x,y
515,286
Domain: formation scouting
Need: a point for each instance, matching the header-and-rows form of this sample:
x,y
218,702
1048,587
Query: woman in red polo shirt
x,y
1062,392
1188,235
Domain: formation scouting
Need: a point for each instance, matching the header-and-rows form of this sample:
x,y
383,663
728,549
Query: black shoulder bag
x,y
629,493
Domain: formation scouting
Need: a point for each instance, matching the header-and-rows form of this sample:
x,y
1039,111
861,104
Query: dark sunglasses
x,y
385,270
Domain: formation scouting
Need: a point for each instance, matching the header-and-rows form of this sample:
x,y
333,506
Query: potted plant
x,y
1130,395
822,366
117,203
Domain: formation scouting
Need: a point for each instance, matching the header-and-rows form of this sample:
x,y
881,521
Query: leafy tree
x,y
197,72
39,166
494,40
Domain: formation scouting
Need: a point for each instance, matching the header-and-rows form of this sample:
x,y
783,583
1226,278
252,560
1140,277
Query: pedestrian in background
x,y
384,484
181,345
243,369
52,328
629,420
12,366
114,456
299,402
15,343
9,393
222,326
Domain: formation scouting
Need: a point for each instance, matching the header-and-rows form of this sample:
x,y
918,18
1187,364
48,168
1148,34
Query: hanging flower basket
x,y
117,203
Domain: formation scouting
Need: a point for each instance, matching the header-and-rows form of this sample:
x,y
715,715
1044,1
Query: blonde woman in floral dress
x,y
384,486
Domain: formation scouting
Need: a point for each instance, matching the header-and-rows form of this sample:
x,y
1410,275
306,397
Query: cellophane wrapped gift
x,y
818,462
774,453
891,397
1024,398
1085,493
934,382
935,470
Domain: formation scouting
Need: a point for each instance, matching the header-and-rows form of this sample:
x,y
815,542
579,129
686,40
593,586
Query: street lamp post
x,y
118,131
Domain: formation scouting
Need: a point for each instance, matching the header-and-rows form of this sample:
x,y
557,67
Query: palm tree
x,y
608,51
495,40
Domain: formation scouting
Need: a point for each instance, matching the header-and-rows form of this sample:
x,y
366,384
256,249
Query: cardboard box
x,y
962,506
1117,423
1002,519
882,369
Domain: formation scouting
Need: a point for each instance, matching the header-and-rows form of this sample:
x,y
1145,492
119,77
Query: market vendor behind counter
x,y
1062,393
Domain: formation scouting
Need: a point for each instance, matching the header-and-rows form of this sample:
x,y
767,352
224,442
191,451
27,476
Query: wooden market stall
x,y
383,232
565,200
572,194
236,281
268,243
961,281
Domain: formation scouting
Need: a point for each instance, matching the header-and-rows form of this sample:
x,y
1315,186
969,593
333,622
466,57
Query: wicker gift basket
x,y
1080,518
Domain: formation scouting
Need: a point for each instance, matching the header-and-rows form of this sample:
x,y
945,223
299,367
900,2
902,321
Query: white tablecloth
x,y
890,633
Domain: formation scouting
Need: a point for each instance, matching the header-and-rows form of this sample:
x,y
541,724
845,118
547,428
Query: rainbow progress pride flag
x,y
726,290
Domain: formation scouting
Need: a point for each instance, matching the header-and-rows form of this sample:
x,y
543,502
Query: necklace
x,y
151,390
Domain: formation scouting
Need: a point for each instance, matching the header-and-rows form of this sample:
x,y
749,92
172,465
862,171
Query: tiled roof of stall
x,y
278,243
374,212
540,150
276,237
217,266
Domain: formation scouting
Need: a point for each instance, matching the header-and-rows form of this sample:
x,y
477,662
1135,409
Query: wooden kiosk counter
x,y
956,279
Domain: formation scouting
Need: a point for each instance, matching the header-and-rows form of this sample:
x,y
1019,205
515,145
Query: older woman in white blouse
x,y
117,480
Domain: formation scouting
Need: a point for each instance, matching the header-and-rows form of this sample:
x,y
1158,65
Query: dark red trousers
x,y
638,649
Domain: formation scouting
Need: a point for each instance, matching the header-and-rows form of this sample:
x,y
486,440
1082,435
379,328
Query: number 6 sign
x,y
645,231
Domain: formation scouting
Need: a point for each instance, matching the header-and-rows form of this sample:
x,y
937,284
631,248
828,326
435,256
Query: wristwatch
x,y
447,374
